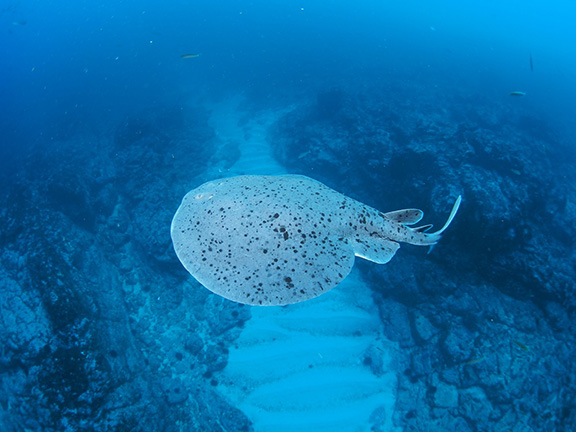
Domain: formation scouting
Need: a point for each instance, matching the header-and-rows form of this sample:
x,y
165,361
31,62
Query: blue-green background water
x,y
94,62
104,127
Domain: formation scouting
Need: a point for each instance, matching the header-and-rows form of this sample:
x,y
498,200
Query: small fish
x,y
520,345
475,360
531,64
517,93
189,55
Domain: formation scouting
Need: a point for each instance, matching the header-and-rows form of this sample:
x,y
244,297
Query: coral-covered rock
x,y
446,396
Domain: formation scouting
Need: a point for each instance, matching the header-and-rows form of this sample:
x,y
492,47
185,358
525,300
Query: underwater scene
x,y
287,215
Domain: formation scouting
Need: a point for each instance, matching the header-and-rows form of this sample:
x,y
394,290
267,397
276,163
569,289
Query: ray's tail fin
x,y
430,239
455,208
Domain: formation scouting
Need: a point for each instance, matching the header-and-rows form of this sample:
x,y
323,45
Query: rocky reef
x,y
487,319
101,328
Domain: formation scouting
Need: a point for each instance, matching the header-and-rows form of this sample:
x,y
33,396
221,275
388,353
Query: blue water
x,y
104,127
93,63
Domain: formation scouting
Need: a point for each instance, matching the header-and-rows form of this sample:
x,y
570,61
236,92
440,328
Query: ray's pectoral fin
x,y
376,249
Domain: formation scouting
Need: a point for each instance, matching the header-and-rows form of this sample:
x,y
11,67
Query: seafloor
x,y
102,329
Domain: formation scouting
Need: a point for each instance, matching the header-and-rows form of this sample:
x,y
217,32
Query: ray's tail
x,y
419,235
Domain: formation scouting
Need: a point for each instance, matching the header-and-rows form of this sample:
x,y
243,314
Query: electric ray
x,y
277,240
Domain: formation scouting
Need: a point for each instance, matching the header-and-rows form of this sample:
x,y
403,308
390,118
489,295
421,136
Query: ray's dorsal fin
x,y
423,228
405,216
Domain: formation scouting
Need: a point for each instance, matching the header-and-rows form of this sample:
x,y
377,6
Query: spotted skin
x,y
276,240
